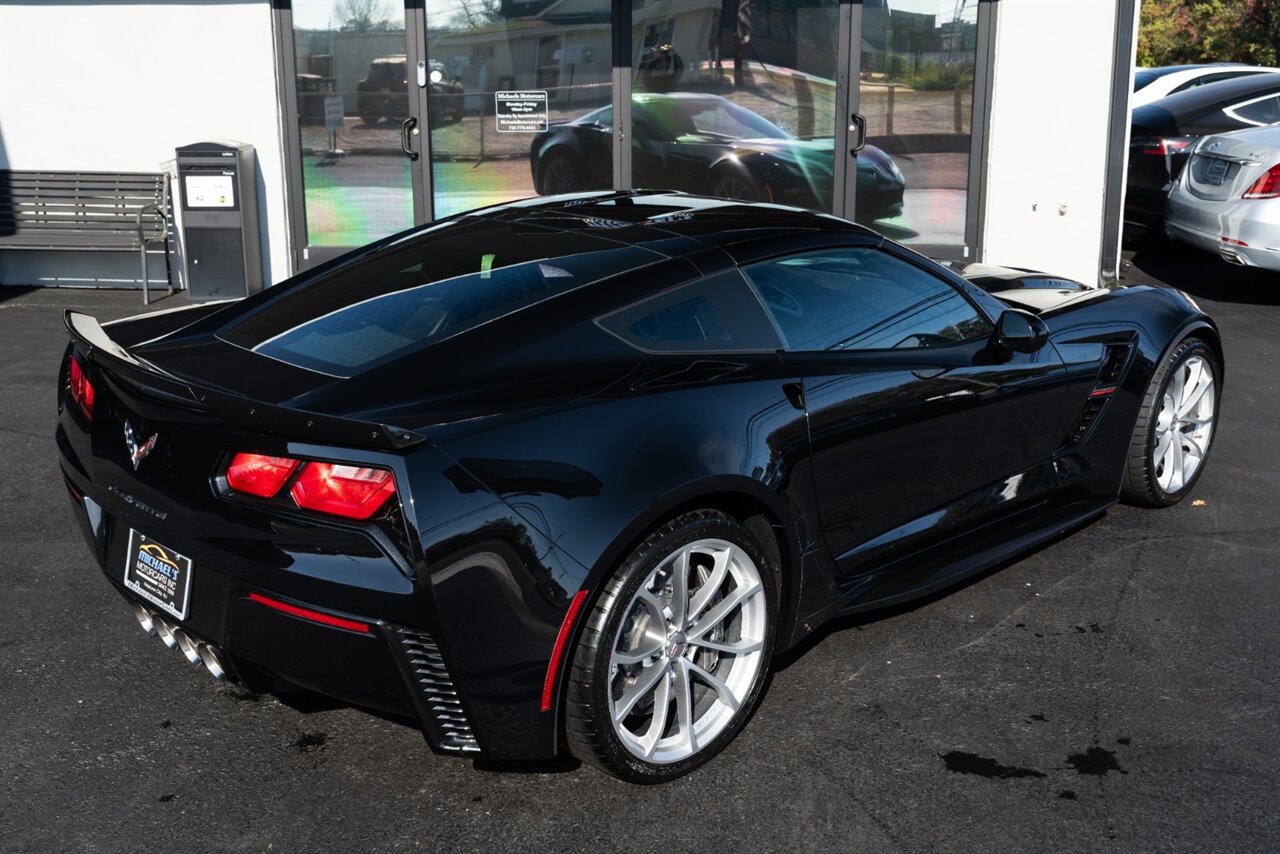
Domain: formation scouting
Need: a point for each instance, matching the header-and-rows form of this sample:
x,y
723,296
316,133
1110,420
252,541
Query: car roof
x,y
671,223
1162,70
644,97
1203,99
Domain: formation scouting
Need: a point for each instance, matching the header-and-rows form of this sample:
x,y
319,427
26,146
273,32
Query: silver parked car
x,y
1227,200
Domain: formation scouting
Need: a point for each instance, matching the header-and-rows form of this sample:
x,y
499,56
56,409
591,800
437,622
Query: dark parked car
x,y
1152,84
707,144
383,92
567,474
1164,132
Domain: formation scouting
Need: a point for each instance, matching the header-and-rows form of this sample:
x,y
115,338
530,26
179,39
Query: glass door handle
x,y
406,127
858,127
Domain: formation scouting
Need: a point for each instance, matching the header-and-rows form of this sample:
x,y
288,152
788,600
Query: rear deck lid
x,y
1225,165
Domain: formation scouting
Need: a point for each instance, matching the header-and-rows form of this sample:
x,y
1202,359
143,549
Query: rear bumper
x,y
1205,224
251,634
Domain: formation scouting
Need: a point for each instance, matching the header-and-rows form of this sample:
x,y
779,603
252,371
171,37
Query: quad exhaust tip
x,y
196,652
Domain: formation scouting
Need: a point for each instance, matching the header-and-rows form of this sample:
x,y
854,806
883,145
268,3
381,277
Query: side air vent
x,y
1110,373
1113,365
437,695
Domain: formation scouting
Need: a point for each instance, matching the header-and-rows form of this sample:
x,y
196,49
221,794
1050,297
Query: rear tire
x,y
1175,428
667,671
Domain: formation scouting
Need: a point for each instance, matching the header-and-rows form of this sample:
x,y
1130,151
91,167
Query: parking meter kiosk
x,y
217,186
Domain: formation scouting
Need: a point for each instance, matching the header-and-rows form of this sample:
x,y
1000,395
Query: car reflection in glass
x,y
707,144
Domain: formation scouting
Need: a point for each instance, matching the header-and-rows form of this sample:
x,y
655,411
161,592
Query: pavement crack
x,y
4,429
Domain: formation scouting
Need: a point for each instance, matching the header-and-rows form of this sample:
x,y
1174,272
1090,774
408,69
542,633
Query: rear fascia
x,y
472,577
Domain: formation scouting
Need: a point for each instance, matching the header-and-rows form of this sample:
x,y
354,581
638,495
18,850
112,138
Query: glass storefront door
x,y
354,112
531,85
916,68
736,99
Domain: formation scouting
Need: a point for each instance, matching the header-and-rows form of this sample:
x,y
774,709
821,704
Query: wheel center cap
x,y
676,643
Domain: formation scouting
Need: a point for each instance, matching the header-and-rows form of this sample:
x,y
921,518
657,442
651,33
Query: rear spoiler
x,y
96,345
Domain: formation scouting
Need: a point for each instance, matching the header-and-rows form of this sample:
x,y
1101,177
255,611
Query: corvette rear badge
x,y
137,452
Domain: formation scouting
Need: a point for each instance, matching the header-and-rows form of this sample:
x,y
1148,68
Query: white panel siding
x,y
1046,172
117,86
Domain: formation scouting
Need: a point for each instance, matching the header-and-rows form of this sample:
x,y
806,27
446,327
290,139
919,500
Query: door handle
x,y
858,126
405,128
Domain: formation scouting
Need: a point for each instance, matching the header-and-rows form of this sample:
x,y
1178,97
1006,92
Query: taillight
x,y
339,489
356,492
1266,187
81,388
1165,146
259,474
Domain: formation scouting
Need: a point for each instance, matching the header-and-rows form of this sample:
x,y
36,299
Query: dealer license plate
x,y
158,574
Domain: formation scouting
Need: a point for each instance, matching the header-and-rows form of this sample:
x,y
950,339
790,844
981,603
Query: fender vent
x,y
1110,373
1113,365
436,694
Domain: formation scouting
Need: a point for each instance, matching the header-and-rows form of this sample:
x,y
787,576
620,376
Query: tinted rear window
x,y
423,290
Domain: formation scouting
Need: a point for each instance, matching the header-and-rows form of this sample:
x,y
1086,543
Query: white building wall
x,y
1046,169
116,87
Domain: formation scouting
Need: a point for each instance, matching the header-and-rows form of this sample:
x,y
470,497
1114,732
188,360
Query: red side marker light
x,y
1103,392
308,614
356,492
557,652
259,474
1231,241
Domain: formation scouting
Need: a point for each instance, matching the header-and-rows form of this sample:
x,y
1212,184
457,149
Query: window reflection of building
x,y
563,48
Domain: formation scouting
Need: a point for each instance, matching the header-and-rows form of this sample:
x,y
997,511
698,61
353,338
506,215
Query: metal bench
x,y
87,212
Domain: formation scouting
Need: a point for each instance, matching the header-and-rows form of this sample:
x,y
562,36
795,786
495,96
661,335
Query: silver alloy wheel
x,y
1184,424
561,176
734,187
693,638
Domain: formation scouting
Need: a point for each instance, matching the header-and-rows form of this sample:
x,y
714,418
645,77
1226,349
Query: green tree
x,y
1172,32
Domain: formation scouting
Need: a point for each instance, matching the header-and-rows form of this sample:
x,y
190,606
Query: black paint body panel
x,y
542,448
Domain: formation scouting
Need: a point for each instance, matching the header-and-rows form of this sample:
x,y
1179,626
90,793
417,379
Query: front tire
x,y
1175,427
675,653
560,175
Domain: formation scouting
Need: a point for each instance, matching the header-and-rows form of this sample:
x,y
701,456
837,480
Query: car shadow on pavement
x,y
1200,274
854,621
308,702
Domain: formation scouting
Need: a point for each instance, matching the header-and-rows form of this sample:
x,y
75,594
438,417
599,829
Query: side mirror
x,y
1020,331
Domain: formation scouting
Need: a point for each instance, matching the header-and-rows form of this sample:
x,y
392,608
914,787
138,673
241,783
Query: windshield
x,y
710,116
428,288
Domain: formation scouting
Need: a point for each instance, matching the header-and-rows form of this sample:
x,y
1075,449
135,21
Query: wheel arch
x,y
1200,327
556,147
749,502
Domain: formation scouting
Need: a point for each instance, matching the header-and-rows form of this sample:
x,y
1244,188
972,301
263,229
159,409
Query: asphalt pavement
x,y
1115,690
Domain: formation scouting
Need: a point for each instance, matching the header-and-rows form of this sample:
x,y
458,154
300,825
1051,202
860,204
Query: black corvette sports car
x,y
706,144
568,473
